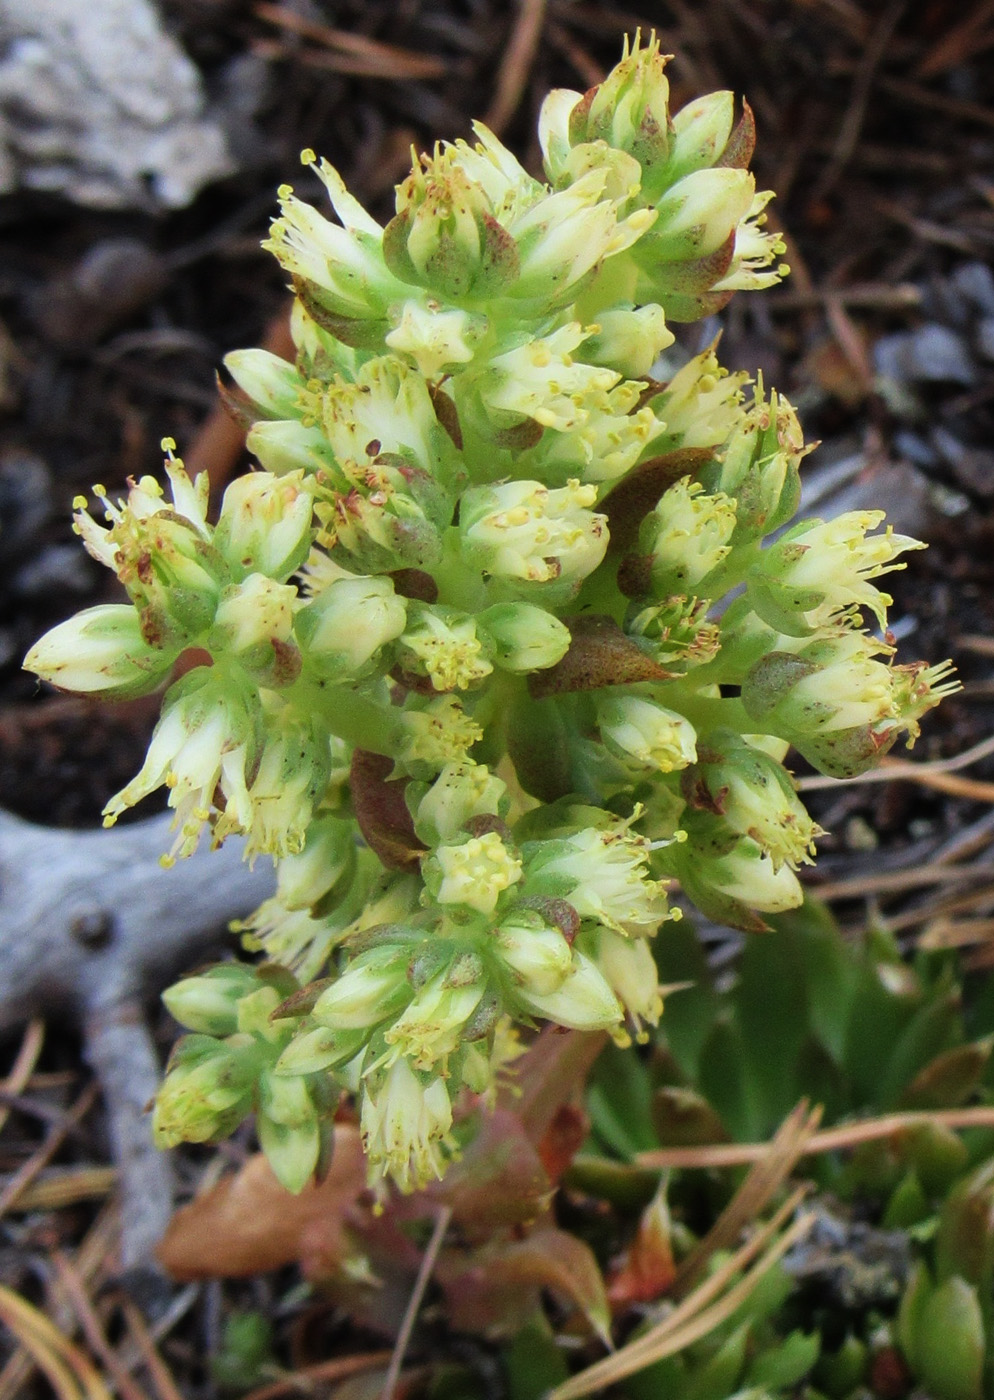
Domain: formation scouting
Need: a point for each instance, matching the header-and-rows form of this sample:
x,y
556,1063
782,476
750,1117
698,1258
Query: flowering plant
x,y
499,643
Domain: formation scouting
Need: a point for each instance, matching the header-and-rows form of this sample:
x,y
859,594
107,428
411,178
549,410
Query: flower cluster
x,y
474,680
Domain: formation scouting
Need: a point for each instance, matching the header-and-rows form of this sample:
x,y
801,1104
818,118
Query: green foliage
x,y
852,1026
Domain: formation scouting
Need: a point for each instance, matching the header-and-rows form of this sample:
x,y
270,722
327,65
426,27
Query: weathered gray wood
x,y
92,927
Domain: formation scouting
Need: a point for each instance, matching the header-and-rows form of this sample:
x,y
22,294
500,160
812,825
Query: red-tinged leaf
x,y
375,1286
248,1222
627,504
648,1268
498,1185
563,1139
496,1290
381,812
552,1072
599,654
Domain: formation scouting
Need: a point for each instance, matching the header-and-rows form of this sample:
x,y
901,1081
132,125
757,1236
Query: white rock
x,y
100,104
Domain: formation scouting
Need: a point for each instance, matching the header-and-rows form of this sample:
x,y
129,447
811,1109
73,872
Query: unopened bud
x,y
101,651
265,524
208,1002
345,627
523,637
271,383
520,530
639,730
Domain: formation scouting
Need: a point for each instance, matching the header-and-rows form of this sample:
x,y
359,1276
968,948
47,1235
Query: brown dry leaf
x,y
249,1223
648,1268
497,1289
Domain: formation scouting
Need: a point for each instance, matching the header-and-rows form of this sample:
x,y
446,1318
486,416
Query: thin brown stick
x,y
855,114
126,1385
23,1066
442,1220
955,933
755,1193
159,1373
740,1154
516,64
957,107
896,881
386,60
67,1188
877,296
302,1381
56,1137
584,63
961,43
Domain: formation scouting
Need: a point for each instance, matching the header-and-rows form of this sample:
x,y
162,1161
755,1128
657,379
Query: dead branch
x,y
93,927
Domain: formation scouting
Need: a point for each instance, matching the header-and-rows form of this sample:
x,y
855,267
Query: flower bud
x,y
696,217
729,876
287,447
520,530
101,651
538,956
700,133
630,108
328,858
460,792
254,622
639,730
564,236
373,988
405,1126
272,384
265,524
315,1049
629,969
286,1124
442,643
754,795
603,872
820,569
628,339
208,1001
206,1093
444,235
475,873
523,637
583,1000
345,627
687,536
